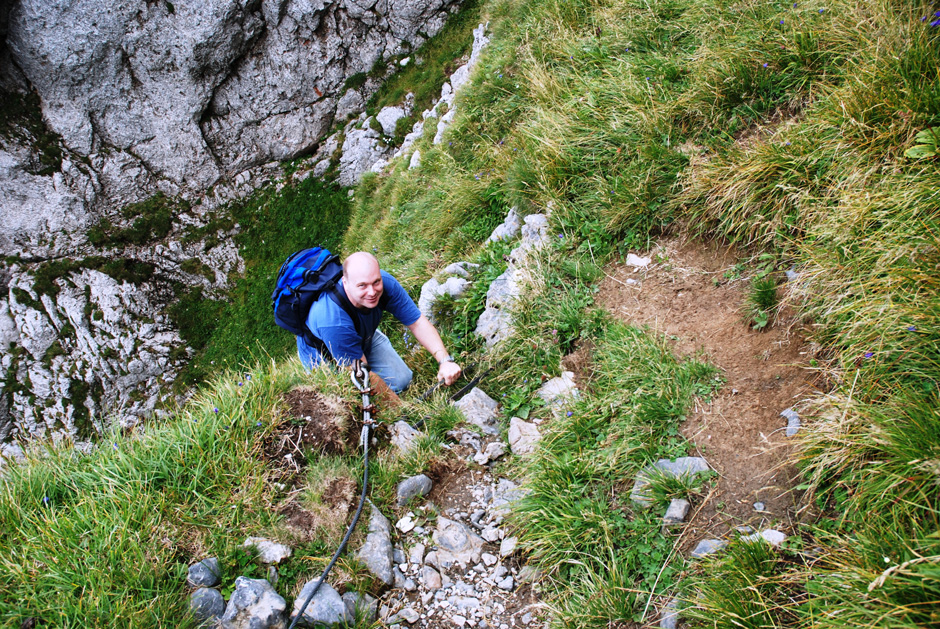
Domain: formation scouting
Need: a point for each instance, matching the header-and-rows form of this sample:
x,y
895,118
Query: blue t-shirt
x,y
332,325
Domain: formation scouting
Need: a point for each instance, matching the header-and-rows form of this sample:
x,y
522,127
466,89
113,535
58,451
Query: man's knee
x,y
399,379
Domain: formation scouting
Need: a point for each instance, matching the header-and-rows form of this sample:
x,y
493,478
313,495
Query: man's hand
x,y
449,371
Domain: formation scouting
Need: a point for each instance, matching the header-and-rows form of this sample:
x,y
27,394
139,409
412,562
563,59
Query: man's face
x,y
363,285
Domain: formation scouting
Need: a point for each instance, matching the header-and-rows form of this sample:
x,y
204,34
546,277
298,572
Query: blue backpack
x,y
303,278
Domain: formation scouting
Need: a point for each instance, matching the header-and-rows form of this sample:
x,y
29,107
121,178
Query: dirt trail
x,y
685,293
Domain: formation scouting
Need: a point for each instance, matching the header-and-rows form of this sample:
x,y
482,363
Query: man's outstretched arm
x,y
427,335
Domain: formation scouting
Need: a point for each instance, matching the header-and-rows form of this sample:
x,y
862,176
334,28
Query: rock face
x,y
131,102
191,91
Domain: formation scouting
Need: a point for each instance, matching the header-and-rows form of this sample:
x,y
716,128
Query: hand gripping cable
x,y
360,378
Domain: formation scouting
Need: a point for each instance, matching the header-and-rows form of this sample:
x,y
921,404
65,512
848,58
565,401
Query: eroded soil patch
x,y
312,422
689,294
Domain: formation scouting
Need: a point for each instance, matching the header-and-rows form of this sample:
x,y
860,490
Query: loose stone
x,y
206,573
707,547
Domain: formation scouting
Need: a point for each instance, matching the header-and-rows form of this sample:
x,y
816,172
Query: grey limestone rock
x,y
456,543
480,410
707,547
389,116
431,578
412,487
207,605
669,618
403,436
361,606
793,421
675,514
325,608
206,573
508,229
493,451
523,436
268,551
207,87
254,605
377,552
771,536
557,390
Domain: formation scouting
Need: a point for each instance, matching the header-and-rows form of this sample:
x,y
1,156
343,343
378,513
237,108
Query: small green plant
x,y
927,144
761,300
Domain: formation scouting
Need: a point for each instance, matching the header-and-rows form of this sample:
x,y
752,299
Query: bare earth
x,y
686,294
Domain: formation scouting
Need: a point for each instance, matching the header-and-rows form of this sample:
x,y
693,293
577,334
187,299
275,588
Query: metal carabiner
x,y
360,374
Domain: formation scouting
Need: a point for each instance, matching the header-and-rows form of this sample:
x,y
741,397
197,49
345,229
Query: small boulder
x,y
676,512
771,536
509,228
207,605
493,451
413,487
377,552
404,436
684,466
479,409
555,391
638,262
325,608
508,546
254,605
206,573
361,606
707,547
669,618
456,544
268,551
523,436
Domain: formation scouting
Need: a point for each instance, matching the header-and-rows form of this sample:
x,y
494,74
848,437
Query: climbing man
x,y
371,291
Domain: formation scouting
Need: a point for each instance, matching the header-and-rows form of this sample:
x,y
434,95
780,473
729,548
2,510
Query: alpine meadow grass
x,y
783,128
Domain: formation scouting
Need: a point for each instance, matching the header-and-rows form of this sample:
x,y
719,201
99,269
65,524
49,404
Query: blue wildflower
x,y
114,445
570,413
258,424
869,354
240,384
45,500
216,410
765,65
935,23
781,21
821,10
911,328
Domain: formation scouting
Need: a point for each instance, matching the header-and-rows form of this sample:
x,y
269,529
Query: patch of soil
x,y
338,498
686,294
312,422
453,480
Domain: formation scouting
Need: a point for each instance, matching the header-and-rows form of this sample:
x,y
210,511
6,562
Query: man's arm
x,y
427,335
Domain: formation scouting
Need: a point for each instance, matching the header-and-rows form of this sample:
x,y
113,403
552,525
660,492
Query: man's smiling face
x,y
362,280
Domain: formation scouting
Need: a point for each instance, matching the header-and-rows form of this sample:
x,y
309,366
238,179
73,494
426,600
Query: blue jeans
x,y
382,358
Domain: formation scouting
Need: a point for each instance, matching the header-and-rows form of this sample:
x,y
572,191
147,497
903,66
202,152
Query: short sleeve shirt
x,y
331,324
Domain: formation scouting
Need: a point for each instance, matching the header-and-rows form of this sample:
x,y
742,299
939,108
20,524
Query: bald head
x,y
361,261
362,280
